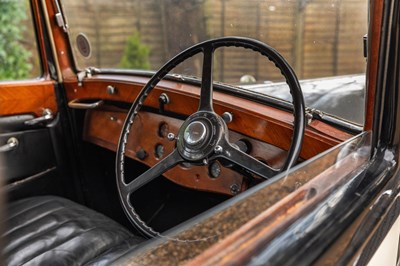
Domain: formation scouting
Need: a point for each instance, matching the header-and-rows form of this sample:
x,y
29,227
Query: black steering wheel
x,y
203,136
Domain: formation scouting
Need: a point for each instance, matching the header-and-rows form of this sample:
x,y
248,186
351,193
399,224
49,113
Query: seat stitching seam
x,y
27,209
32,221
55,227
64,242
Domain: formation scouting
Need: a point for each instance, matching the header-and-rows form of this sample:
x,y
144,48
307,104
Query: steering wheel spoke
x,y
247,162
206,93
160,168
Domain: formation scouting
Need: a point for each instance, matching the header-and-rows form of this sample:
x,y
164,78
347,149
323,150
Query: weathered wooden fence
x,y
318,37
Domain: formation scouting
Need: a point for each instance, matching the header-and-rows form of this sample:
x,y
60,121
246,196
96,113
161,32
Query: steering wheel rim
x,y
204,135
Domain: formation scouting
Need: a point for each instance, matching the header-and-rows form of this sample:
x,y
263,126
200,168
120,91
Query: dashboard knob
x,y
141,154
227,117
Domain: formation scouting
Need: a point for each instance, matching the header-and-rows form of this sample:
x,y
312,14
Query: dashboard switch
x,y
163,100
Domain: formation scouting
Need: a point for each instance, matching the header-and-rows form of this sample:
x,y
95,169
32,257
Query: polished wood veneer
x,y
103,127
27,97
252,119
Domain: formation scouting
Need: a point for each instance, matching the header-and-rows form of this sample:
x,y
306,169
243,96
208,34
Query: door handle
x,y
46,117
75,104
12,144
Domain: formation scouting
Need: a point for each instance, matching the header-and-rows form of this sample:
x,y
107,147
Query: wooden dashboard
x,y
265,129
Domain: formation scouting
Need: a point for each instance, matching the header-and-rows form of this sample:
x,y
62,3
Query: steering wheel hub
x,y
195,134
198,136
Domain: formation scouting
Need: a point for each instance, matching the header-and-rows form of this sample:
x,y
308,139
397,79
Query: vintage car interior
x,y
120,165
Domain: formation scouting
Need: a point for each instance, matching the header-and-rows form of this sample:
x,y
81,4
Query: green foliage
x,y
136,54
14,58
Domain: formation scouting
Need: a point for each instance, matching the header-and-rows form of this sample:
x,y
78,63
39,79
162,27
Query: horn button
x,y
195,134
199,135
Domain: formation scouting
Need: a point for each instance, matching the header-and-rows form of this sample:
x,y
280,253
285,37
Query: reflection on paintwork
x,y
339,96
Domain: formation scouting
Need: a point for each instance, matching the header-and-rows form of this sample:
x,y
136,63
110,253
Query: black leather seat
x,y
50,230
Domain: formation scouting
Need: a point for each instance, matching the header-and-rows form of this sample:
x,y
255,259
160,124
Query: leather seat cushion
x,y
50,230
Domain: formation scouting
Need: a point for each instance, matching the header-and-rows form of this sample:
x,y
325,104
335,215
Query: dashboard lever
x,y
76,104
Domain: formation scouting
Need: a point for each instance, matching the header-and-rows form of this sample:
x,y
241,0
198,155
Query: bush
x,y
14,58
136,54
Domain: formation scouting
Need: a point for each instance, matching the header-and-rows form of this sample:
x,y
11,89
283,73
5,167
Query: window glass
x,y
319,38
19,58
